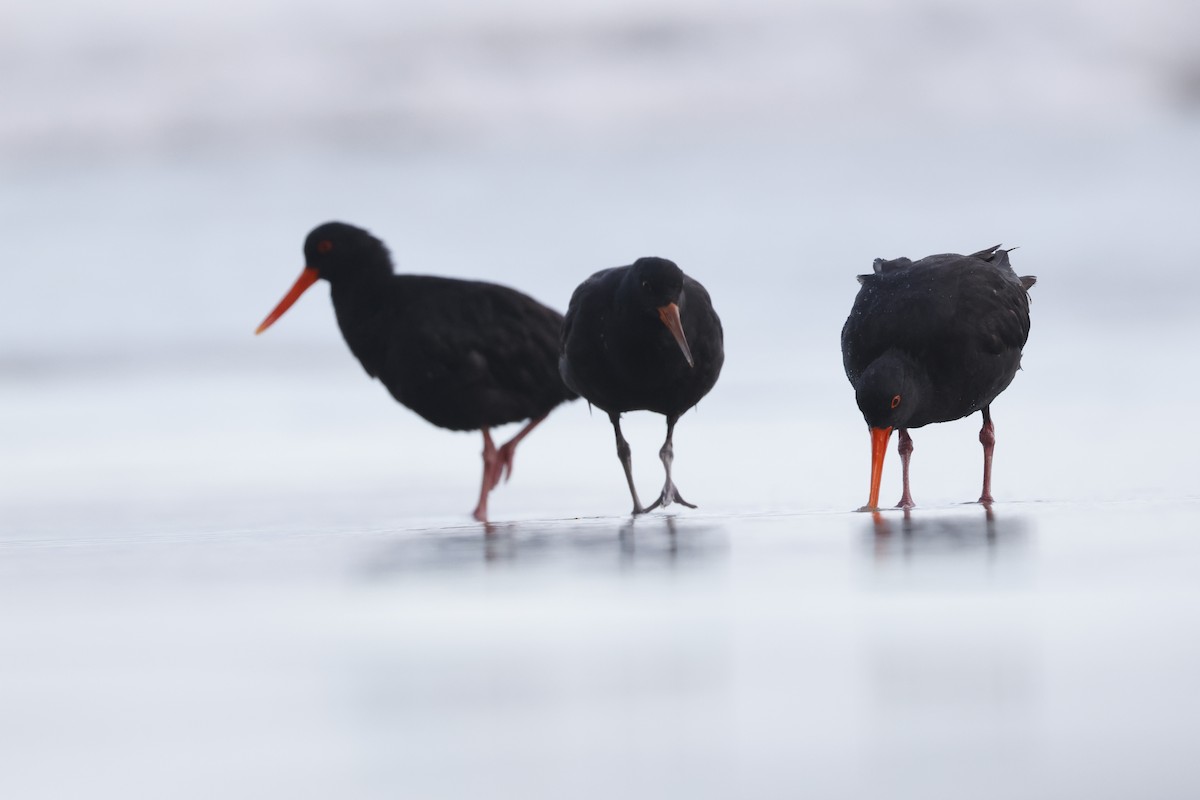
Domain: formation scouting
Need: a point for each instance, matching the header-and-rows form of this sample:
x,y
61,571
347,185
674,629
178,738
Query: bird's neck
x,y
364,281
365,270
361,304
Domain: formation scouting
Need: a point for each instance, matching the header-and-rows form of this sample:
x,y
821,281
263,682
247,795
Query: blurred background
x,y
204,492
162,165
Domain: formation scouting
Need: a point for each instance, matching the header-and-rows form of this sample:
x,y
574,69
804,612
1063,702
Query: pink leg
x,y
905,447
509,449
987,437
491,469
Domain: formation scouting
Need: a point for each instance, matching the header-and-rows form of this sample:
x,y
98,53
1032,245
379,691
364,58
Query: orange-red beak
x,y
879,443
669,314
306,279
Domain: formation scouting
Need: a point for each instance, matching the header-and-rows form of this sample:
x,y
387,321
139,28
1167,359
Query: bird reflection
x,y
624,543
977,527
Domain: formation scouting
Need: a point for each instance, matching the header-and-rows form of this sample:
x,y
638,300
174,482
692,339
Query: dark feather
x,y
961,317
462,354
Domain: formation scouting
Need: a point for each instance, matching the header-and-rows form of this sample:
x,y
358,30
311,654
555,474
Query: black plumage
x,y
932,341
465,355
642,337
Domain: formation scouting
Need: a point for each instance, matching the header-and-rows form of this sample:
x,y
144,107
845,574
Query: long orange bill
x,y
669,314
306,279
879,443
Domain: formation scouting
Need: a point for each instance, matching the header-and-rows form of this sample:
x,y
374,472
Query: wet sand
x,y
1047,651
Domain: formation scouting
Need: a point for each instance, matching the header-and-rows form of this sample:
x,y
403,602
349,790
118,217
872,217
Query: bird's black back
x,y
622,359
962,319
462,354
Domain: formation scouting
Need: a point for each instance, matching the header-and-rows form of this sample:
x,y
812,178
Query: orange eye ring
x,y
324,246
896,401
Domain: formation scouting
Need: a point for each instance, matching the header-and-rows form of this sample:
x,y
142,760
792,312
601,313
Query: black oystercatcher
x,y
465,355
932,341
642,337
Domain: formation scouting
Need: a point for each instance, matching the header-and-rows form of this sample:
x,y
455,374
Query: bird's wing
x,y
594,293
700,301
898,310
569,321
936,302
491,341
993,307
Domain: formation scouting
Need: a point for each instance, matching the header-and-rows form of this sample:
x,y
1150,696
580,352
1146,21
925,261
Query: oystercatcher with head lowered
x,y
642,337
932,341
465,355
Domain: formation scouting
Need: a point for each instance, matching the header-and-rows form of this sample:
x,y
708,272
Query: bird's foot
x,y
480,514
669,495
504,460
906,503
985,499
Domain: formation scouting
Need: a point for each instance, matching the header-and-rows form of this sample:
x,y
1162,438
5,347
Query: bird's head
x,y
337,250
334,251
658,282
657,286
888,393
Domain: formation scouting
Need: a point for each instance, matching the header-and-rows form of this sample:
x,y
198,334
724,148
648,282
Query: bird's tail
x,y
988,253
999,256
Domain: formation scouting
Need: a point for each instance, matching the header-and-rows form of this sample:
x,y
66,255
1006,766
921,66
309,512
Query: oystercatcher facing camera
x,y
642,337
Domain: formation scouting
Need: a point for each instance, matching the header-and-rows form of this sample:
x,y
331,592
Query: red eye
x,y
324,246
895,401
